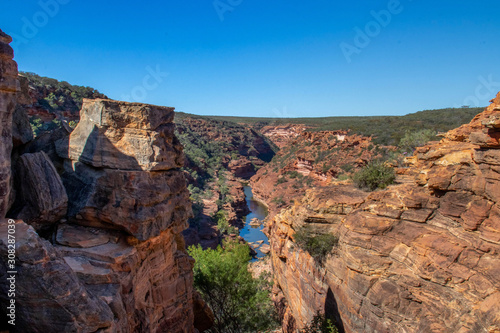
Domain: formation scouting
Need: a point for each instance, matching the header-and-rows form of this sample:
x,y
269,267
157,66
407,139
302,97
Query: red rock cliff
x,y
422,256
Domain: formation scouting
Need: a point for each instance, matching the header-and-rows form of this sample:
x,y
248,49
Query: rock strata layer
x,y
125,136
420,256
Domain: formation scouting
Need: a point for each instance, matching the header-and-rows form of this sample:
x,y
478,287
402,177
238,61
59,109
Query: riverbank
x,y
252,230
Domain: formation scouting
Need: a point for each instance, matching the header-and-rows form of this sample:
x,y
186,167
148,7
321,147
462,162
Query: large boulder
x,y
21,128
41,198
126,136
128,204
46,142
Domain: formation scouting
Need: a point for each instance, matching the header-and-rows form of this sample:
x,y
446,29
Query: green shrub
x,y
279,201
59,95
325,167
342,176
223,224
318,245
320,324
347,167
281,180
295,174
375,175
39,126
239,302
412,140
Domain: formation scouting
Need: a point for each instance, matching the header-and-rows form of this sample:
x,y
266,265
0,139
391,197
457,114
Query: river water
x,y
249,232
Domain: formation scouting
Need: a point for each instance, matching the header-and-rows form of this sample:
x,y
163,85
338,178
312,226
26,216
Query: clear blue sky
x,y
266,58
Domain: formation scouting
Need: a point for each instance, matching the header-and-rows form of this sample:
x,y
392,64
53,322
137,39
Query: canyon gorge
x,y
103,215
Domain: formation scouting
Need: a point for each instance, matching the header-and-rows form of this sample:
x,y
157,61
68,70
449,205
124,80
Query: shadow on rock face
x,y
332,311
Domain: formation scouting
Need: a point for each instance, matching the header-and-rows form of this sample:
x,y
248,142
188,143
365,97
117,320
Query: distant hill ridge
x,y
55,96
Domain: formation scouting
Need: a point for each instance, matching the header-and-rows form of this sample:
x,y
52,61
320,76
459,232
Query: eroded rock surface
x,y
125,136
311,159
421,256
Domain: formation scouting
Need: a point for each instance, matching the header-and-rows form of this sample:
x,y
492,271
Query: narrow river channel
x,y
252,233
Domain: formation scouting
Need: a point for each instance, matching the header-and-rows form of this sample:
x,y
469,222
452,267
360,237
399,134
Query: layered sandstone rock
x,y
282,135
125,136
9,85
421,256
141,203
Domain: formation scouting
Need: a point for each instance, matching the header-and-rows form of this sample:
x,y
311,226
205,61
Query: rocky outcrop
x,y
143,204
420,256
21,129
116,261
125,136
9,85
125,188
282,135
202,229
241,168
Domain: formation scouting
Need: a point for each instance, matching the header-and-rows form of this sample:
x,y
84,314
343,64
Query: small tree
x,y
223,224
375,175
239,302
318,245
412,140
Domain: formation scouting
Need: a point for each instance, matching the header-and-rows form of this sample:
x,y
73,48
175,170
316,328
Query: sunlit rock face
x,y
420,256
124,136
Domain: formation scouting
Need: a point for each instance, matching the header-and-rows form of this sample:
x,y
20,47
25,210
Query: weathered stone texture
x,y
147,285
142,203
21,128
416,257
125,136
